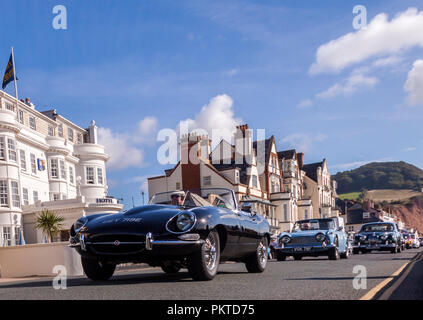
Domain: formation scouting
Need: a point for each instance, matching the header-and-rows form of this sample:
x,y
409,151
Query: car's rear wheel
x,y
280,256
346,254
170,267
257,262
202,265
96,270
298,257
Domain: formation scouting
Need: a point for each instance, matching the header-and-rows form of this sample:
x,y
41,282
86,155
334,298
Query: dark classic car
x,y
381,236
194,229
315,237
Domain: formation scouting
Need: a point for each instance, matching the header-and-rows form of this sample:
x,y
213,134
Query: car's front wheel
x,y
257,262
202,265
96,270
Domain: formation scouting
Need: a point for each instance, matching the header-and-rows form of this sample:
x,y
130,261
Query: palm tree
x,y
49,223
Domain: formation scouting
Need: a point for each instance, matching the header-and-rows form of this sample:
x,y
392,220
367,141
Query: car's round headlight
x,y
383,237
285,239
320,237
81,222
363,237
185,221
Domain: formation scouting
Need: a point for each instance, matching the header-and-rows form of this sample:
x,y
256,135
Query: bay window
x,y
4,199
90,175
54,168
16,202
12,149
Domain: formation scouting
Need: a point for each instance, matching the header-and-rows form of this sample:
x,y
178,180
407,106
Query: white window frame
x,y
7,236
32,123
33,163
254,181
62,169
35,195
25,196
70,134
71,176
50,131
4,193
60,130
21,116
100,177
11,146
14,191
79,138
54,168
88,178
2,148
22,158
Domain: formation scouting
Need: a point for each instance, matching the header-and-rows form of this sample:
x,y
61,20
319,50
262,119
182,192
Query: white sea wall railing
x,y
38,260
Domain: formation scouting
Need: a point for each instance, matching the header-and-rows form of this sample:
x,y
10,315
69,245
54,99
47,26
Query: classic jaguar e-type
x,y
313,238
380,236
193,229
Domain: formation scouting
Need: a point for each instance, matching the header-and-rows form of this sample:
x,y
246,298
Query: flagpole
x,y
14,75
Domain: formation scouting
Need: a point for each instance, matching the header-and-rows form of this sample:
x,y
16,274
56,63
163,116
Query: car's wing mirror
x,y
246,207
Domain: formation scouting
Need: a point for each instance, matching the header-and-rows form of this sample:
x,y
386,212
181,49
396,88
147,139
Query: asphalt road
x,y
311,278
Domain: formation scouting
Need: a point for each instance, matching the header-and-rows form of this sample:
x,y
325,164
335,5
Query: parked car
x,y
415,241
314,237
195,229
380,236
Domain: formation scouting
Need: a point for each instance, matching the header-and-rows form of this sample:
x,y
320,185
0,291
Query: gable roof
x,y
287,154
311,169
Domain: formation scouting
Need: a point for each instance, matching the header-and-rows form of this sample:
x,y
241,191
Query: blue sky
x,y
142,66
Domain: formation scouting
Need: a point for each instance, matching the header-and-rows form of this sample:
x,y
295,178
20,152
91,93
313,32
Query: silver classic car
x,y
315,237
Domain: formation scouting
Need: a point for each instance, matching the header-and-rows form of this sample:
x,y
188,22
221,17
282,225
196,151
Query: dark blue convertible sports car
x,y
194,229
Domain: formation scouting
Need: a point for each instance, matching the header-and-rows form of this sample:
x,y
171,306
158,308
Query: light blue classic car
x,y
313,238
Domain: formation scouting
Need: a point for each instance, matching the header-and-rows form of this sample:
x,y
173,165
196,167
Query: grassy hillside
x,y
380,175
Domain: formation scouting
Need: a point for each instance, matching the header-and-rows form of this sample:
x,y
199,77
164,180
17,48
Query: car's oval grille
x,y
116,243
304,240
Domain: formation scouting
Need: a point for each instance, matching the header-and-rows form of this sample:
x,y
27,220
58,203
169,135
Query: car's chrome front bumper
x,y
374,246
304,249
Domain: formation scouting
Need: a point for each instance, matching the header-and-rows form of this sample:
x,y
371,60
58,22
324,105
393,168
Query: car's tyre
x,y
97,271
356,251
346,254
298,257
170,267
257,262
334,252
202,265
399,249
280,256
394,250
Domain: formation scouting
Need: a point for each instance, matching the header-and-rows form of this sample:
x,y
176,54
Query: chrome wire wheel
x,y
262,254
210,253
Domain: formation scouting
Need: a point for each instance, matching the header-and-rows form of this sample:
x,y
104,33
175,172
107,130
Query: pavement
x,y
388,276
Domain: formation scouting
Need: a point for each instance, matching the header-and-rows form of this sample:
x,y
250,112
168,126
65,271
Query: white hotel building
x,y
47,162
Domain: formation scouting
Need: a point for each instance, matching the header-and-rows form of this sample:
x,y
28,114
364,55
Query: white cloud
x,y
387,61
217,115
303,141
305,104
147,129
409,149
230,73
119,147
381,37
414,84
356,164
355,81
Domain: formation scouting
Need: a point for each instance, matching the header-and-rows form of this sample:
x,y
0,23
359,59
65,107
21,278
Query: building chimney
x,y
190,163
300,159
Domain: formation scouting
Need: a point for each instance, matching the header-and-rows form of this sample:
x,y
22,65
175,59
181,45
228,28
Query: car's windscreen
x,y
217,197
380,227
317,224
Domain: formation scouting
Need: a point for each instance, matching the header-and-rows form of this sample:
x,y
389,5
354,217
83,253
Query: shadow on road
x,y
138,278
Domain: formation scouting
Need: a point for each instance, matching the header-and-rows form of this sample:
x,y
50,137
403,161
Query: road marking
x,y
372,293
388,293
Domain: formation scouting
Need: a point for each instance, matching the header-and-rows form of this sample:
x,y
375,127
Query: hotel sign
x,y
104,200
